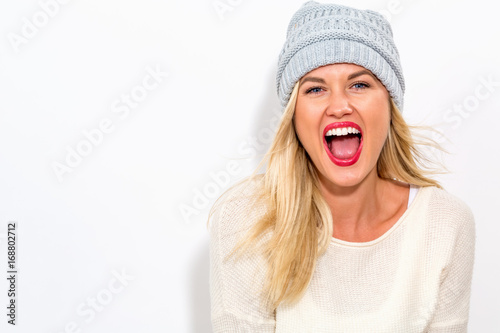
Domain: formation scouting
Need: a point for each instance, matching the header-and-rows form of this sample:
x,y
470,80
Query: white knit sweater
x,y
414,278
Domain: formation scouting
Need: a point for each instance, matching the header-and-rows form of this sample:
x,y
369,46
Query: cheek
x,y
305,127
381,130
382,127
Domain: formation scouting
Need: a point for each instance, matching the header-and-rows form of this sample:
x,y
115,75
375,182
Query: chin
x,y
351,176
341,178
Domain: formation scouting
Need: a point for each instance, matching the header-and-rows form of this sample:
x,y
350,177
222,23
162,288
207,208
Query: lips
x,y
343,142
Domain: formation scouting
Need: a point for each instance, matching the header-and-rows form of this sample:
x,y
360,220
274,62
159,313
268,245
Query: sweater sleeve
x,y
236,283
452,311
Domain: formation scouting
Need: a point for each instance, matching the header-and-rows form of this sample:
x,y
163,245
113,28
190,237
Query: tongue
x,y
344,147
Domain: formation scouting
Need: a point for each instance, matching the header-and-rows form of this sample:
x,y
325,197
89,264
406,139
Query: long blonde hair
x,y
298,217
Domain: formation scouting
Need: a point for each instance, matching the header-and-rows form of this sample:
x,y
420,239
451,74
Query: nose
x,y
338,105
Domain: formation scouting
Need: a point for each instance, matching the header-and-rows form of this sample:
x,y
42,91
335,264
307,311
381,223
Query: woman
x,y
344,232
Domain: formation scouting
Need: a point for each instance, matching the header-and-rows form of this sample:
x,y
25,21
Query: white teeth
x,y
342,131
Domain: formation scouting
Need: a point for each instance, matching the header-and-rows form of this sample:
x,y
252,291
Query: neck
x,y
362,211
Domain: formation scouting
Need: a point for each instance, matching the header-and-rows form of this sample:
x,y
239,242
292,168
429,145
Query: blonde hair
x,y
298,217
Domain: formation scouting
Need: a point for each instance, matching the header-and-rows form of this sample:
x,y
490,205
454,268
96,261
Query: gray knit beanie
x,y
323,34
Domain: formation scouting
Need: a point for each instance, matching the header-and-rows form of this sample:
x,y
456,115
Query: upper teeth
x,y
342,131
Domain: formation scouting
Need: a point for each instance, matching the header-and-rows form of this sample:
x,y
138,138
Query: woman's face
x,y
342,118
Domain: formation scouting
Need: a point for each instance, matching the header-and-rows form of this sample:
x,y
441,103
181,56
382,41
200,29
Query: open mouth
x,y
343,142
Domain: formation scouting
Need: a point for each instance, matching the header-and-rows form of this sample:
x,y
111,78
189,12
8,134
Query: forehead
x,y
340,68
340,71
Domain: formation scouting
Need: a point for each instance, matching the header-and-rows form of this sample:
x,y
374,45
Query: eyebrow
x,y
361,72
350,77
312,79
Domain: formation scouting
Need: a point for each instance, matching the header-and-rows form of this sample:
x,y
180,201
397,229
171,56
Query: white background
x,y
119,209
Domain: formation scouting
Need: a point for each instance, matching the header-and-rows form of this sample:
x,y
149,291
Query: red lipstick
x,y
337,161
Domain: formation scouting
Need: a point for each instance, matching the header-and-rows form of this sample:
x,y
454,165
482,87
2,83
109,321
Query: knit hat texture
x,y
323,34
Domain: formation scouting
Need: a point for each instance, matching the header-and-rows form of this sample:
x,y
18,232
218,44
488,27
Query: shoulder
x,y
444,204
446,212
239,207
443,225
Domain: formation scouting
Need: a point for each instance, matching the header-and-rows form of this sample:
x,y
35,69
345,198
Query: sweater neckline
x,y
411,207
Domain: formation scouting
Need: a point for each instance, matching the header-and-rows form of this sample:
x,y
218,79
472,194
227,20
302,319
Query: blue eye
x,y
314,90
360,85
